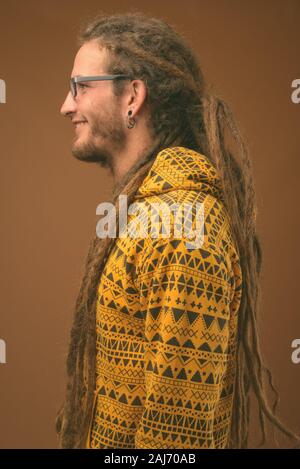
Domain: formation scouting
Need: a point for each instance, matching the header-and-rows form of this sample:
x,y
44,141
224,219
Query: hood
x,y
180,168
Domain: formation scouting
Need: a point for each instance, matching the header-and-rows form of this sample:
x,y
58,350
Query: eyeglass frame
x,y
79,79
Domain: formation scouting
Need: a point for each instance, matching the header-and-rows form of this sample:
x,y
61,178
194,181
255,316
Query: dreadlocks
x,y
150,50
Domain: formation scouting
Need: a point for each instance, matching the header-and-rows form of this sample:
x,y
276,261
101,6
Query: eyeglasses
x,y
79,79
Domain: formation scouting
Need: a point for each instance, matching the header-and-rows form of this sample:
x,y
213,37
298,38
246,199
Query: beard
x,y
106,136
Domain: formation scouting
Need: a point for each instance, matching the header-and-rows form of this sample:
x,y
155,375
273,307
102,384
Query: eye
x,y
82,85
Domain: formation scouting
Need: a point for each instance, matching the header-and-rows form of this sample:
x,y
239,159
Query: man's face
x,y
101,131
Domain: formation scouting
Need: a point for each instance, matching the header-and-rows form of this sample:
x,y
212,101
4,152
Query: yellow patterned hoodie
x,y
167,321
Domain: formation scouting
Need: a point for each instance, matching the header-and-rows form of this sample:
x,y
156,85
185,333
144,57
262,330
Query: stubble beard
x,y
105,137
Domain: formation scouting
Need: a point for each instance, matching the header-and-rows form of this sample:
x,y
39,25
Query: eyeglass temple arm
x,y
97,78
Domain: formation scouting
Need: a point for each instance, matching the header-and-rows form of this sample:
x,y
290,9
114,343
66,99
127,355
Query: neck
x,y
129,155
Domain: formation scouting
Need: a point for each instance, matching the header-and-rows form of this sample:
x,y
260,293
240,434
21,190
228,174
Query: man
x,y
163,349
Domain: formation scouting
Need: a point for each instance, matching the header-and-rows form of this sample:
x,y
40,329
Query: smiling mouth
x,y
77,125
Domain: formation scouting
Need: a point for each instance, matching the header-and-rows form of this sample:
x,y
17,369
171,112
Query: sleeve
x,y
185,300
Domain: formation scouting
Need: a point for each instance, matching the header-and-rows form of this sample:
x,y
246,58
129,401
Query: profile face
x,y
96,112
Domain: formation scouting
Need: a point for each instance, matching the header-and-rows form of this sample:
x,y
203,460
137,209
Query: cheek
x,y
96,111
102,110
88,108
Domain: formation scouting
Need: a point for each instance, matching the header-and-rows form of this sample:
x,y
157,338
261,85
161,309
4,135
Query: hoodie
x,y
167,316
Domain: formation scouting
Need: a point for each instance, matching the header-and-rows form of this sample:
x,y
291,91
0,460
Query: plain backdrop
x,y
249,52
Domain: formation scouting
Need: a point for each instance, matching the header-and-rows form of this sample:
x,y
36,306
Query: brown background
x,y
249,51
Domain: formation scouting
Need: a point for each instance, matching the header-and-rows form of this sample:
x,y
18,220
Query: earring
x,y
130,120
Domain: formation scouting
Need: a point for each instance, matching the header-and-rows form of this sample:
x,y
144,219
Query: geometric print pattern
x,y
167,323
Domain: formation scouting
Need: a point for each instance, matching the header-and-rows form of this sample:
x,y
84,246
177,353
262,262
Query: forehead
x,y
90,59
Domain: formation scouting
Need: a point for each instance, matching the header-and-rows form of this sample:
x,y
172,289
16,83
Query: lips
x,y
78,124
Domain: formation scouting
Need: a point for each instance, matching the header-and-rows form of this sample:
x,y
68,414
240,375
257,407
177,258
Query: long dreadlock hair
x,y
149,49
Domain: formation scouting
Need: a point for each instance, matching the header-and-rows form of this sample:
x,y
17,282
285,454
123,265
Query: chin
x,y
91,154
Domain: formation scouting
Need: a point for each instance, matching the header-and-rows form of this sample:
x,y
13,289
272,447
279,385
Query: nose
x,y
69,105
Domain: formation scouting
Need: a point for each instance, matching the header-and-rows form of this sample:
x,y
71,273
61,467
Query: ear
x,y
136,97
